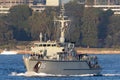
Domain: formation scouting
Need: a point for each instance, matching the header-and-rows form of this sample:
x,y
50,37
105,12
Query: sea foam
x,y
33,74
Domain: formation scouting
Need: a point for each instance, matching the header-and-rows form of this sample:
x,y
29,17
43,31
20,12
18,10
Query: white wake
x,y
31,74
111,75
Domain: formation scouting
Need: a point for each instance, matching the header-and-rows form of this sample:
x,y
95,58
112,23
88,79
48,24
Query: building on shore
x,y
36,5
39,5
5,5
114,5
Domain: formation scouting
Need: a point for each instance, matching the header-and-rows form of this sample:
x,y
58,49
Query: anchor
x,y
37,66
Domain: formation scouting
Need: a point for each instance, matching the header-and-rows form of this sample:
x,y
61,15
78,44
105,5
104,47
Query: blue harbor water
x,y
12,68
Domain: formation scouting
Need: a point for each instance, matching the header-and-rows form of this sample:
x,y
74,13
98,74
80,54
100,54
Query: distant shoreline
x,y
98,50
81,51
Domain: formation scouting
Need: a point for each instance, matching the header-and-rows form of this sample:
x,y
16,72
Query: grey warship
x,y
60,58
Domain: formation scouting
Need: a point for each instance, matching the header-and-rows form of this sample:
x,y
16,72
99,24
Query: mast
x,y
40,36
63,23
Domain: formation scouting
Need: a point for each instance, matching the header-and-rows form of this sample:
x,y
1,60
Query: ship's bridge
x,y
51,48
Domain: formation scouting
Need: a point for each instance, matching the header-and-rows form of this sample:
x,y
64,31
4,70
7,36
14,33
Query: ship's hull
x,y
60,67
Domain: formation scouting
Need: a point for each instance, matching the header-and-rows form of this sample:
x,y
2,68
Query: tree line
x,y
90,27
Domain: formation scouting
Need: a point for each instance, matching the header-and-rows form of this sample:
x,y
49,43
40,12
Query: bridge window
x,y
44,45
48,45
40,45
36,45
53,45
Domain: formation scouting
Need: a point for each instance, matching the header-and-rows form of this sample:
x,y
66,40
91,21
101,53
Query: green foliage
x,y
75,11
42,22
6,33
18,17
18,14
102,27
89,27
113,37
